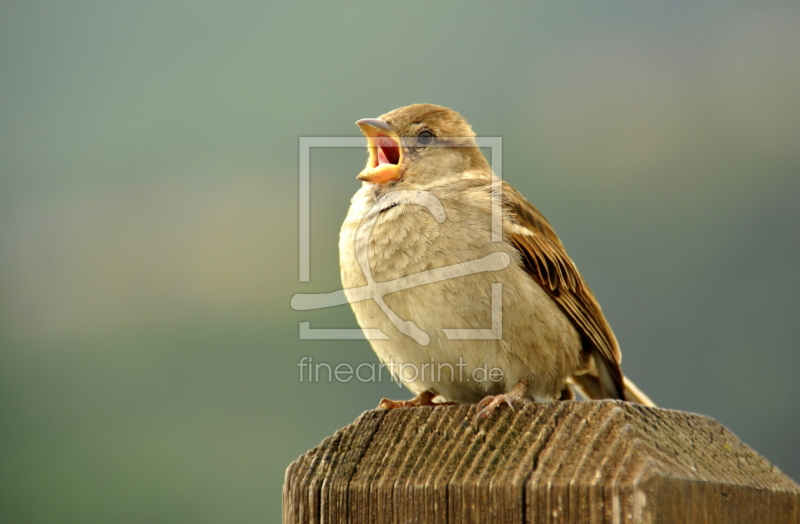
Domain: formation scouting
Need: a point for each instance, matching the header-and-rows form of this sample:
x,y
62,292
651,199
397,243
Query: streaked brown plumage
x,y
553,330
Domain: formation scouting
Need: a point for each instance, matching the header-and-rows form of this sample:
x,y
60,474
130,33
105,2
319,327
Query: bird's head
x,y
421,141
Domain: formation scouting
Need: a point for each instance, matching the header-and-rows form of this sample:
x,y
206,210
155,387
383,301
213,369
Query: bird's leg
x,y
423,399
487,406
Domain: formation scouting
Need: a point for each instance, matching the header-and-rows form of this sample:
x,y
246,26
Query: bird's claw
x,y
394,404
489,404
423,399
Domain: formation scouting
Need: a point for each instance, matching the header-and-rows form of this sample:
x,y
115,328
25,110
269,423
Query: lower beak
x,y
385,153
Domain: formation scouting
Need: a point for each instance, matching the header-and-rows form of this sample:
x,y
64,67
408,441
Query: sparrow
x,y
463,287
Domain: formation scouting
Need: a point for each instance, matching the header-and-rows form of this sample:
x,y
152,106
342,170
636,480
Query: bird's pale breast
x,y
532,341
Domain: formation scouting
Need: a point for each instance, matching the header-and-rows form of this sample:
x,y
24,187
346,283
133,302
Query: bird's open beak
x,y
385,153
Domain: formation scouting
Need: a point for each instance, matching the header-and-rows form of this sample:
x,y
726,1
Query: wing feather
x,y
546,260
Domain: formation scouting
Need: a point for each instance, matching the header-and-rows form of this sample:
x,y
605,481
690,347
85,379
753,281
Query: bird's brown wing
x,y
546,260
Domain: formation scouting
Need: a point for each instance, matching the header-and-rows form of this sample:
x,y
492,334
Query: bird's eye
x,y
425,138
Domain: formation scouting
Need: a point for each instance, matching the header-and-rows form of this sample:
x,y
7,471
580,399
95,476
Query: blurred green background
x,y
149,221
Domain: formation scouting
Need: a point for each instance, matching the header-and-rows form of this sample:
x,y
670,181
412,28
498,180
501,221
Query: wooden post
x,y
566,462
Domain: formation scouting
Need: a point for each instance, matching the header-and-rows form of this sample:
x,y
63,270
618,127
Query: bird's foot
x,y
423,399
487,406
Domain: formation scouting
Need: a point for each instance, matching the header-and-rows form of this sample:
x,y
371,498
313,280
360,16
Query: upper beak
x,y
376,123
385,153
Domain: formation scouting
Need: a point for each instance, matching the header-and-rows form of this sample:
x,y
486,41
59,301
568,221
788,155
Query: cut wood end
x,y
593,460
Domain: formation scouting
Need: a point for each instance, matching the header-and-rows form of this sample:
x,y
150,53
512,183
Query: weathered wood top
x,y
593,461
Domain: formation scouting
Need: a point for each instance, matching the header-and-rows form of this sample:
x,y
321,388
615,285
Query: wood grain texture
x,y
562,462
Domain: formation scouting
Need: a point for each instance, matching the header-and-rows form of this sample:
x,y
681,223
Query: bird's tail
x,y
634,394
589,386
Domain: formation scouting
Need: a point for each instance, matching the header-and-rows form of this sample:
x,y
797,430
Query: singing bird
x,y
464,287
